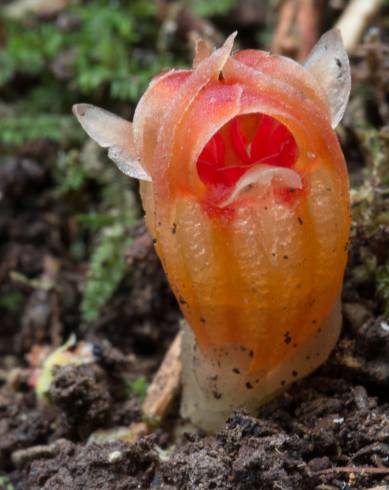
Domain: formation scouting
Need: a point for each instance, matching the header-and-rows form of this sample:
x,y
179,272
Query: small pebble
x,y
115,456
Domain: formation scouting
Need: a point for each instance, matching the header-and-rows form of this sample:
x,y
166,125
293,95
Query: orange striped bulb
x,y
245,190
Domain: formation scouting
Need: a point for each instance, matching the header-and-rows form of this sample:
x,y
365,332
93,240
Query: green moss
x,y
18,129
5,483
371,217
137,386
108,49
107,268
205,8
11,301
102,47
70,173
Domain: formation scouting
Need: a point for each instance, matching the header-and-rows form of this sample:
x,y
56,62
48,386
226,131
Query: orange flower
x,y
245,190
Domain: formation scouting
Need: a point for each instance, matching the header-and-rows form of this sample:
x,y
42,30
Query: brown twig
x,y
282,42
358,469
297,28
165,384
380,487
308,24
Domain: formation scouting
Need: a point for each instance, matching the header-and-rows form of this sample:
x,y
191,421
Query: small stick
x,y
355,19
281,39
308,24
358,469
297,28
21,457
380,487
165,384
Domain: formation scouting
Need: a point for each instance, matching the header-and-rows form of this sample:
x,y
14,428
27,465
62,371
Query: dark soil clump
x,y
295,443
115,465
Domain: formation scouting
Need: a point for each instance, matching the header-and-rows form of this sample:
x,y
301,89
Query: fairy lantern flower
x,y
245,190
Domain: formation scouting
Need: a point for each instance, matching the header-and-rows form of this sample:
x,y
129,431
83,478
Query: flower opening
x,y
243,142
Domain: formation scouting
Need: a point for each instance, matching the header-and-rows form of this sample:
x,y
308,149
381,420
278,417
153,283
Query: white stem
x,y
215,385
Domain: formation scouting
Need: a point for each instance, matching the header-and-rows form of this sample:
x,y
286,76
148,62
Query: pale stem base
x,y
215,385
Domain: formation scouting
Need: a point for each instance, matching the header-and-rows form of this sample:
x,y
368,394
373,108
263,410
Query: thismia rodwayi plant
x,y
245,190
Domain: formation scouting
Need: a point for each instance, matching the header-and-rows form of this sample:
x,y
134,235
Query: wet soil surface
x,y
330,431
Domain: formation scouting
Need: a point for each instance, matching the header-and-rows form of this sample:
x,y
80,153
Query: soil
x,y
328,432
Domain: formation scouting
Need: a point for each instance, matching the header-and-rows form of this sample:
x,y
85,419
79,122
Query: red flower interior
x,y
243,142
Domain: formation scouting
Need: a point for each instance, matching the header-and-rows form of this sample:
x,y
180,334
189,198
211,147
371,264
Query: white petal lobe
x,y
258,178
112,132
329,64
127,165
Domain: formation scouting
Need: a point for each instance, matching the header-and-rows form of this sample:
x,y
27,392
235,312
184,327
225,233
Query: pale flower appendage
x,y
115,133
